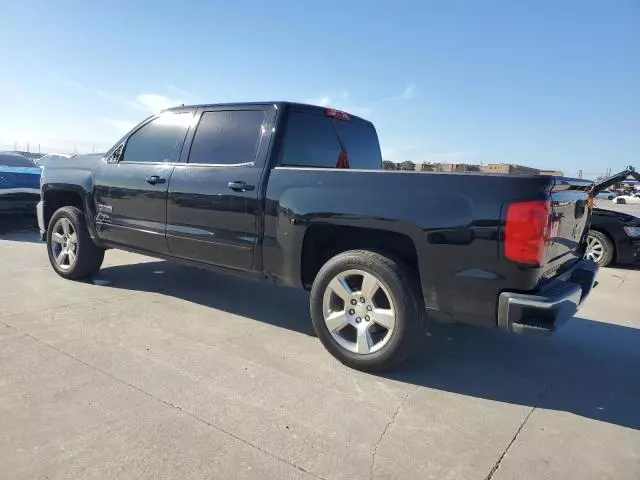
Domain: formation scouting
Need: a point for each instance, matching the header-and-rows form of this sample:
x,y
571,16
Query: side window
x,y
227,137
310,141
160,140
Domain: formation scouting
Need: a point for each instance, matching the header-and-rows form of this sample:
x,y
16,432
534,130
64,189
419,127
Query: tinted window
x,y
317,141
361,144
159,140
15,161
227,138
310,141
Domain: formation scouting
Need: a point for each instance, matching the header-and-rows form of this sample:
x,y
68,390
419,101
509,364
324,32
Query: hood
x,y
81,162
622,217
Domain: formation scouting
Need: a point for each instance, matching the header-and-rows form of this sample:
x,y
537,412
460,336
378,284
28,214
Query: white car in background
x,y
51,157
606,195
634,198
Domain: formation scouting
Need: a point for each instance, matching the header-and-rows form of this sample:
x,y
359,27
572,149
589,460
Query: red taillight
x,y
330,112
527,231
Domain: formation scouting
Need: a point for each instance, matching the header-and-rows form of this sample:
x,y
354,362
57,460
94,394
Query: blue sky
x,y
553,84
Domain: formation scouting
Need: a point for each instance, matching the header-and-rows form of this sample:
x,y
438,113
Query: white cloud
x,y
192,97
408,93
340,100
151,102
155,102
323,101
48,142
122,126
96,91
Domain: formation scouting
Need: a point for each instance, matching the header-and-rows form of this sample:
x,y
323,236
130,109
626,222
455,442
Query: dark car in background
x,y
614,237
19,184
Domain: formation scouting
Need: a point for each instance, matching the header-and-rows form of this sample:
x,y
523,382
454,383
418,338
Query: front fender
x,y
78,182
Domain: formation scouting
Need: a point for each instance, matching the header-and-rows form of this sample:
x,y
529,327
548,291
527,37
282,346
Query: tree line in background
x,y
406,165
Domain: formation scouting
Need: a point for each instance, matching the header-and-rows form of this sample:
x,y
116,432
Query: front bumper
x,y
544,311
628,251
40,213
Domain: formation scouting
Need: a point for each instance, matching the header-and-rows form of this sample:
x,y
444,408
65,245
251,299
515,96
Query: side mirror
x,y
116,155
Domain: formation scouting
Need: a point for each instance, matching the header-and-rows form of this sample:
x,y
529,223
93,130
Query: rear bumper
x,y
546,310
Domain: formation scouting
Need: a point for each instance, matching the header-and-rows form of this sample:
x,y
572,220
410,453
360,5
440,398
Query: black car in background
x,y
614,236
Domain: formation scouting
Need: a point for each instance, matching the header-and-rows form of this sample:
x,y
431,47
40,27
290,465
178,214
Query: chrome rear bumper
x,y
546,310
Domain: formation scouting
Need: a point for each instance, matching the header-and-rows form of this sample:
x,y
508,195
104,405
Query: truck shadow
x,y
589,368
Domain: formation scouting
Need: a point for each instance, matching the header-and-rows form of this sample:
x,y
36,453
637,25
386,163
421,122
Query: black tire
x,y
607,245
621,201
89,256
403,288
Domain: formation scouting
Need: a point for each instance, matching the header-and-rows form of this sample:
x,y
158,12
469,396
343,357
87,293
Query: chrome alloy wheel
x,y
595,249
358,312
64,244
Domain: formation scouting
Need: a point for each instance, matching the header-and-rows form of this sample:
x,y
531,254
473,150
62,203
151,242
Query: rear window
x,y
317,141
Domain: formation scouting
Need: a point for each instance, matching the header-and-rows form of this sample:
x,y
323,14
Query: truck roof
x,y
300,107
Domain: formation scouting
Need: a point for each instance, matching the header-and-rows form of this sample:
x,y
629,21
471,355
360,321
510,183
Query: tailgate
x,y
570,218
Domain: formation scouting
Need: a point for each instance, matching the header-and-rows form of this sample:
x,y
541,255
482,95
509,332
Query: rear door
x,y
214,208
131,184
570,219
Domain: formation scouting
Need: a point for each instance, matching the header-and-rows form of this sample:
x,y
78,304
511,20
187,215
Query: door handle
x,y
154,179
240,186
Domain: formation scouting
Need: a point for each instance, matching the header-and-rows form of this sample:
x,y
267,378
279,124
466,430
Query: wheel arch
x,y
57,196
323,241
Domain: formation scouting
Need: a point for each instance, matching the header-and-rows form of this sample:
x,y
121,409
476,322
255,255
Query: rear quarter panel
x,y
453,220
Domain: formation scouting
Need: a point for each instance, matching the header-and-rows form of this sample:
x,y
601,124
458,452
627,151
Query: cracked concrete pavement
x,y
160,371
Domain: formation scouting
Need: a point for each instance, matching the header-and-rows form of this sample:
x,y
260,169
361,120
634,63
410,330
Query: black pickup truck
x,y
296,194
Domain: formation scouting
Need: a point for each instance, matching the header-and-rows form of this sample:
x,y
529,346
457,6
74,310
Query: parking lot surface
x,y
154,370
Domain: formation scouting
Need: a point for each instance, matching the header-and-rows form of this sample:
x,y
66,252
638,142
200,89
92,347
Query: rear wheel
x,y
600,248
72,253
366,310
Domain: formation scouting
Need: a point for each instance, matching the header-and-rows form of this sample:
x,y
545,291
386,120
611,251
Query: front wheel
x,y
72,253
367,310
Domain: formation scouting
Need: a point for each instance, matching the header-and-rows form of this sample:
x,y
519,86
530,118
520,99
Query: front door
x,y
213,207
131,186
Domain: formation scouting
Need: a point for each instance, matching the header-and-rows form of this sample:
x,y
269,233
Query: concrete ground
x,y
157,371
